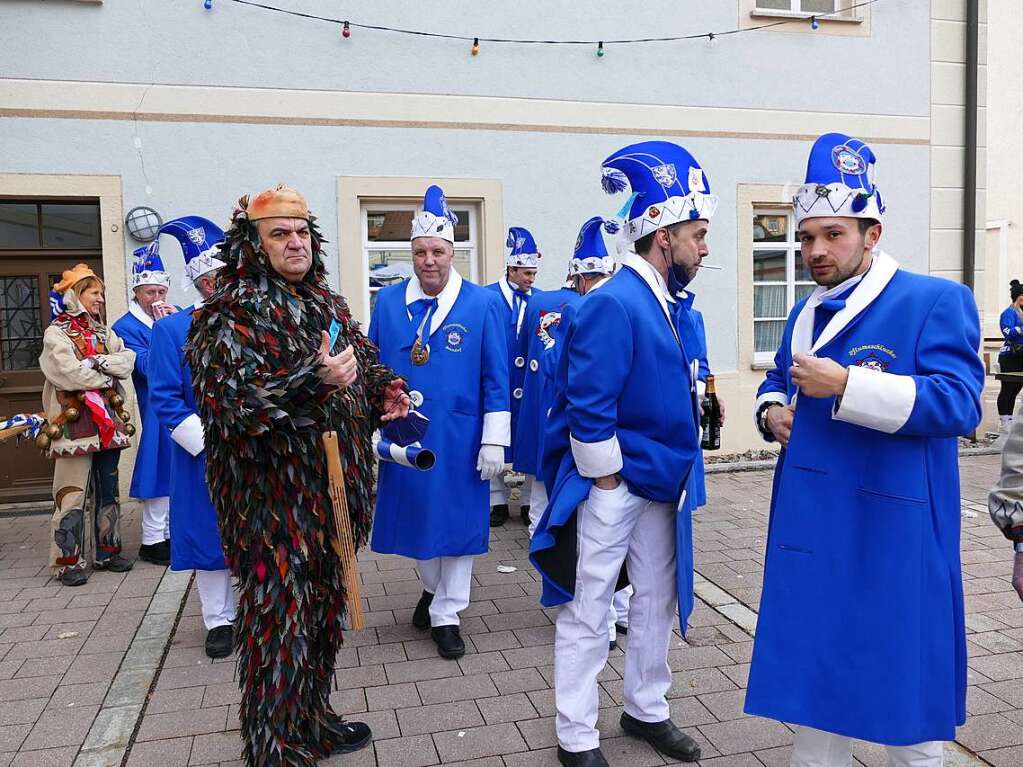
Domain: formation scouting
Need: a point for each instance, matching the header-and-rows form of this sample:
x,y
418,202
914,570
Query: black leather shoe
x,y
663,736
74,576
592,758
449,641
524,514
623,630
155,553
499,514
612,645
350,736
116,564
220,641
421,616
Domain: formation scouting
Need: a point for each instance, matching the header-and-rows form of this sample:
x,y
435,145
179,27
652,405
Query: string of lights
x,y
347,25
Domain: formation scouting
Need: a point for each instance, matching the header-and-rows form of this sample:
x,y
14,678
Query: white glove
x,y
490,463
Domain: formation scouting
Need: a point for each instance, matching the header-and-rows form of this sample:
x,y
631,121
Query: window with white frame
x,y
805,6
386,229
780,278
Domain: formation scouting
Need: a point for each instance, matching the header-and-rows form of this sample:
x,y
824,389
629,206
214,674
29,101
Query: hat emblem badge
x,y
197,236
848,160
665,174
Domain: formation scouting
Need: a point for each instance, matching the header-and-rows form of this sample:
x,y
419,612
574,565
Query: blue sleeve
x,y
600,349
374,324
495,376
138,342
166,388
701,333
551,352
1011,326
950,374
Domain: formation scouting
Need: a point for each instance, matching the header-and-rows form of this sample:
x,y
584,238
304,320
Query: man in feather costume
x,y
268,383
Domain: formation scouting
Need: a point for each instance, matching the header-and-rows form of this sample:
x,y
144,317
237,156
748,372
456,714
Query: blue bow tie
x,y
421,310
833,304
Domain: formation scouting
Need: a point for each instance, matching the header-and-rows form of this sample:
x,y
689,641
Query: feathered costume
x,y
253,349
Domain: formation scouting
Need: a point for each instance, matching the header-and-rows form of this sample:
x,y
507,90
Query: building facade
x,y
183,109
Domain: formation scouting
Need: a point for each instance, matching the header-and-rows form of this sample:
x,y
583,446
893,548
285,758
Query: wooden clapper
x,y
344,543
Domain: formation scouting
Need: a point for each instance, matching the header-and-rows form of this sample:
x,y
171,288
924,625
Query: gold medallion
x,y
420,354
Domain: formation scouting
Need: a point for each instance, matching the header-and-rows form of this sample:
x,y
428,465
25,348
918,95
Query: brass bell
x,y
43,441
117,401
129,429
52,431
71,414
124,415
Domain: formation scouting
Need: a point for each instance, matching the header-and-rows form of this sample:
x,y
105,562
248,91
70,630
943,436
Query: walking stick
x,y
344,543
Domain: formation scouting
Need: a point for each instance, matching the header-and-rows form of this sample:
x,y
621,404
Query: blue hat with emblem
x,y
436,219
668,186
839,181
199,238
523,251
591,256
148,267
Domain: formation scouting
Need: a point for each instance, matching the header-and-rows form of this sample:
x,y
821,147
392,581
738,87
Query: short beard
x,y
845,275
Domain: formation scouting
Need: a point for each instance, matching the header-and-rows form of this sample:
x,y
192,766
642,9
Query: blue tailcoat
x,y
444,511
861,628
151,476
195,535
624,374
697,480
537,389
515,332
1012,331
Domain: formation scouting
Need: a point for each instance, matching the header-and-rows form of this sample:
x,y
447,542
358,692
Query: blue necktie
x,y
422,309
827,309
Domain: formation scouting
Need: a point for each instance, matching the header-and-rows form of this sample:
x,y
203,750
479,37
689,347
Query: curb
x,y
107,743
738,466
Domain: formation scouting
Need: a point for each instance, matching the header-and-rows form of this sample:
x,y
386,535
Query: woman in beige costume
x,y
83,362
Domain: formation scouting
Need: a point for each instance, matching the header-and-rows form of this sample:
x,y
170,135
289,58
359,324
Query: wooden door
x,y
38,240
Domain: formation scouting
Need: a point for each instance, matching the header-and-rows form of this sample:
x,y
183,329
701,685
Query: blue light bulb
x,y
208,5
813,23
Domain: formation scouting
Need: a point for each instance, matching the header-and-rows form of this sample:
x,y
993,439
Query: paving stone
x,y
61,728
72,695
519,680
23,689
50,757
391,696
414,751
421,670
169,752
454,715
989,731
479,742
456,688
184,699
506,708
215,747
1004,757
746,735
180,723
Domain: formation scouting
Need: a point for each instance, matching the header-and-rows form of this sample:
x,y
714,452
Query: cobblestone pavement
x,y
492,708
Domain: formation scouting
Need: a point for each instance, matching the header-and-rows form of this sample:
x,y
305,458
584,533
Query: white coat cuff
x,y
876,400
497,428
189,434
768,396
701,388
597,459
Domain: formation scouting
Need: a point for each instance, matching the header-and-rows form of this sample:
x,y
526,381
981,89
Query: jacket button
x,y
517,394
519,362
534,365
416,397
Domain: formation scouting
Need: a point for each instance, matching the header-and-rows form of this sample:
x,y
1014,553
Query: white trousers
x,y
449,579
498,491
216,596
615,526
816,748
619,612
155,520
537,504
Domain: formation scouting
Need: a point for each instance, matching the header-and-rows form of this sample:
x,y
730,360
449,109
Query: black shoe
x,y
524,514
115,564
155,553
449,641
663,736
74,576
220,641
499,514
349,736
612,645
421,616
623,630
592,758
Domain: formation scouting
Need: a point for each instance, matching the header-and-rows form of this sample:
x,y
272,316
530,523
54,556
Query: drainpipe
x,y
970,134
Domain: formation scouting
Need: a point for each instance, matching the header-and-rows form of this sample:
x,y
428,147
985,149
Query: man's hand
x,y
609,482
1017,574
163,309
396,401
341,369
721,407
818,376
779,421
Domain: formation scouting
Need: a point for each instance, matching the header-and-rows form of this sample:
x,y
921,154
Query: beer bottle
x,y
711,418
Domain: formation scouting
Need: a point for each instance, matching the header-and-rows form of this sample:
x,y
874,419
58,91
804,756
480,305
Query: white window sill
x,y
768,13
761,365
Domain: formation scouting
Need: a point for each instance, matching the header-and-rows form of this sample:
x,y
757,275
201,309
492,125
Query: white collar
x,y
139,313
655,282
198,305
445,299
871,284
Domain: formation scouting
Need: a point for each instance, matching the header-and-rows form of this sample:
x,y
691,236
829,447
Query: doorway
x,y
39,239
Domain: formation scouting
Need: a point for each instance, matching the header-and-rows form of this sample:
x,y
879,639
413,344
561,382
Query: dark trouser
x,y
85,522
1011,385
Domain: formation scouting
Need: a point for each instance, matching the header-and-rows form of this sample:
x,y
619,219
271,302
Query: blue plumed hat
x,y
523,251
839,181
147,268
436,219
668,186
591,256
199,238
